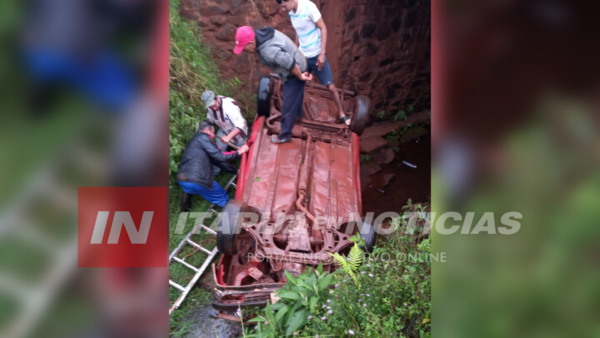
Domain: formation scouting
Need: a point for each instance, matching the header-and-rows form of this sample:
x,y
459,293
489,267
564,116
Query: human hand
x,y
306,76
243,149
321,61
225,139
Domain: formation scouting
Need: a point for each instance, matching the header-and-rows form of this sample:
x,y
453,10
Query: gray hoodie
x,y
278,52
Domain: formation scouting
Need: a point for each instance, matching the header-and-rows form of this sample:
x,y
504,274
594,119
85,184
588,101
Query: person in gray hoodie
x,y
279,53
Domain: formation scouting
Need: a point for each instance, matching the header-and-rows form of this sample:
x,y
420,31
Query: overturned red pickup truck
x,y
305,196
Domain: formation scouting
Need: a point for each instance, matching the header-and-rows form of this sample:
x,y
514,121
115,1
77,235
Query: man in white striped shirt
x,y
311,37
225,113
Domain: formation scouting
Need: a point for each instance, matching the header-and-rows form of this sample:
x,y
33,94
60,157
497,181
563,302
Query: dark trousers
x,y
292,95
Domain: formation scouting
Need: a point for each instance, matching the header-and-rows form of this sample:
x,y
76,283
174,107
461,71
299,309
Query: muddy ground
x,y
405,183
207,324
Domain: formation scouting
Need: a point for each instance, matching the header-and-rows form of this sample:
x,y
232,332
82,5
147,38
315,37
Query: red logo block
x,y
122,227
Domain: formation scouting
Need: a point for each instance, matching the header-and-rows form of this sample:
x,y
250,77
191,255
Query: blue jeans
x,y
216,195
324,75
292,96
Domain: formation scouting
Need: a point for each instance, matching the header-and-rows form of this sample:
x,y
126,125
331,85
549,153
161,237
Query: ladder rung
x,y
206,228
230,183
177,286
185,263
198,246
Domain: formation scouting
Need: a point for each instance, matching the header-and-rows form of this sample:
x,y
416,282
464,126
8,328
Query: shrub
x,y
303,299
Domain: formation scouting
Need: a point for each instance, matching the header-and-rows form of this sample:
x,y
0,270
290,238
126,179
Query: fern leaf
x,y
344,265
355,258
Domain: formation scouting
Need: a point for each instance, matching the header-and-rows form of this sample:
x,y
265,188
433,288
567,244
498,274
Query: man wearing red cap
x,y
276,51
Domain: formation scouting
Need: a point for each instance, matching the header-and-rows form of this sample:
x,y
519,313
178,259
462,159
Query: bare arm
x,y
296,41
323,56
278,57
235,132
323,28
301,76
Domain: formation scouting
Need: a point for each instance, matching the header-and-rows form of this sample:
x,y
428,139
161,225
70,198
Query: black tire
x,y
368,234
226,239
361,116
263,97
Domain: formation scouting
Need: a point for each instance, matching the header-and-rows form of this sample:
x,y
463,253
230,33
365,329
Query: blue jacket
x,y
198,158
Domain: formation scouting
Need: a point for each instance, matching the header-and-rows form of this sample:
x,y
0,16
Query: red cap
x,y
243,36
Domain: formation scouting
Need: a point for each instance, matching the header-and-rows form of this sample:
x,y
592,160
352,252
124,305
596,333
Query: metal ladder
x,y
187,240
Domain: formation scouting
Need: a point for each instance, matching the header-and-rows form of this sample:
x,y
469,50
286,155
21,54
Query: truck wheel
x,y
227,230
368,234
361,117
263,97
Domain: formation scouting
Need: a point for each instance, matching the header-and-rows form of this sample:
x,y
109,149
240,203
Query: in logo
x,y
122,227
122,218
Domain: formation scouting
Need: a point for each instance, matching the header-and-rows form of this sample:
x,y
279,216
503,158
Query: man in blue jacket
x,y
195,174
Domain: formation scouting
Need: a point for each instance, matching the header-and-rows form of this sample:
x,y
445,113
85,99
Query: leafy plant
x,y
405,128
365,158
381,114
416,219
393,298
392,136
396,149
400,115
410,108
354,260
302,298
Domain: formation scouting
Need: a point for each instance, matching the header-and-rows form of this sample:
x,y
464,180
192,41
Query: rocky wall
x,y
379,48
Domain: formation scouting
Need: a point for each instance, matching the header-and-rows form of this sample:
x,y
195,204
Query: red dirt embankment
x,y
379,48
